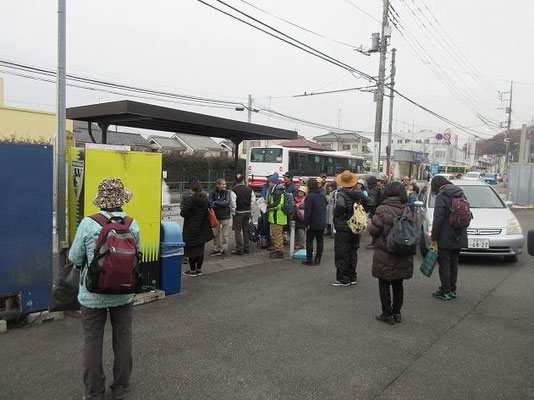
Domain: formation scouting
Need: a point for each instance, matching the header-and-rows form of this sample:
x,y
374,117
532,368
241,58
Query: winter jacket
x,y
448,237
344,207
291,188
298,216
412,198
220,201
385,265
374,193
315,210
197,229
275,205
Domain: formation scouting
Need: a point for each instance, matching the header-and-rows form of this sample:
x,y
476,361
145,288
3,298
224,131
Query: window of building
x,y
418,141
407,141
346,147
399,141
427,141
255,143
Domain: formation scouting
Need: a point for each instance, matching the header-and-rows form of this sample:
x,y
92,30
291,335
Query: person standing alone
x,y
112,195
244,197
315,221
346,243
451,239
220,202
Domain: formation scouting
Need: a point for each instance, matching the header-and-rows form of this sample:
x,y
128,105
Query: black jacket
x,y
194,210
315,210
448,237
345,200
375,194
220,201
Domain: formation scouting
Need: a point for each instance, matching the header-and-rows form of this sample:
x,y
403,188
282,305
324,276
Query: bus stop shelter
x,y
134,114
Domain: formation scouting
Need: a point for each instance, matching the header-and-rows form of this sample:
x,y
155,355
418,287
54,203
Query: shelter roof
x,y
148,116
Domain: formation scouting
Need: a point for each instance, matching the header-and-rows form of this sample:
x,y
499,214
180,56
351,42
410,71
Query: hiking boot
x,y
438,294
453,294
388,319
223,254
199,272
397,318
307,262
237,253
317,260
338,283
215,253
276,254
190,273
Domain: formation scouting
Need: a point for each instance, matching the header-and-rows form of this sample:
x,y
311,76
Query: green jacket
x,y
275,205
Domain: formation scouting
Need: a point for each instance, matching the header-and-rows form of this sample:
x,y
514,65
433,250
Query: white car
x,y
494,229
474,176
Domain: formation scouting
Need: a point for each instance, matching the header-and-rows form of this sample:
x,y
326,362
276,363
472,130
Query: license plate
x,y
478,243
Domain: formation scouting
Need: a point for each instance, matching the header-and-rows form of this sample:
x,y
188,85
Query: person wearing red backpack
x,y
94,294
449,229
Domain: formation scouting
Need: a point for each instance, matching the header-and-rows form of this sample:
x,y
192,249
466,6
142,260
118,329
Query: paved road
x,y
278,330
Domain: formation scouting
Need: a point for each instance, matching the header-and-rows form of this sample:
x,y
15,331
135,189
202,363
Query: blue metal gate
x,y
26,197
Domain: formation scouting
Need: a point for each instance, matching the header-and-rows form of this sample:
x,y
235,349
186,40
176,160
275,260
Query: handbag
x,y
429,262
65,291
212,218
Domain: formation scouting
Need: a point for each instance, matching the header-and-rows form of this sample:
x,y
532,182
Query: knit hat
x,y
406,178
346,179
302,189
111,194
274,178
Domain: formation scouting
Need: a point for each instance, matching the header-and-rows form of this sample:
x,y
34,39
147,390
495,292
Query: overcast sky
x,y
186,47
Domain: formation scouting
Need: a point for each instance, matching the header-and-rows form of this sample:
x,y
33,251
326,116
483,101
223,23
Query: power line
x,y
363,11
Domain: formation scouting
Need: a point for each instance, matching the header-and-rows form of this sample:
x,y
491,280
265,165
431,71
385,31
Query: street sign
x,y
434,169
447,136
439,136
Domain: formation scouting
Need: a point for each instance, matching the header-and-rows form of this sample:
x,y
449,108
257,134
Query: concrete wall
x,y
521,184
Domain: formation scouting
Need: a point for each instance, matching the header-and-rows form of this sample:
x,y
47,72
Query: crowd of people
x,y
317,207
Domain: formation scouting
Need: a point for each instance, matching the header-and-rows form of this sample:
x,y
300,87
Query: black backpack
x,y
403,236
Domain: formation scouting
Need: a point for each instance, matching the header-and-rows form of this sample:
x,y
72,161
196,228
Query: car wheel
x,y
422,244
511,259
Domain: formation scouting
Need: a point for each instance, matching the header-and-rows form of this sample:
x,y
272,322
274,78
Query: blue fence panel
x,y
26,182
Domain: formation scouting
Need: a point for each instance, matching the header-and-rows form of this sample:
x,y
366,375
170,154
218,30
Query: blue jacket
x,y
220,201
315,210
81,254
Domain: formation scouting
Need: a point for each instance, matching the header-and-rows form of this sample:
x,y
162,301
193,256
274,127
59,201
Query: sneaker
x,y
199,272
338,283
438,294
190,273
453,294
276,254
237,253
397,318
215,253
354,282
223,254
388,319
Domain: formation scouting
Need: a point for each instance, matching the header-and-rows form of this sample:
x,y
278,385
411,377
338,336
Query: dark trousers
x,y
385,296
448,269
346,246
318,235
93,323
241,222
195,263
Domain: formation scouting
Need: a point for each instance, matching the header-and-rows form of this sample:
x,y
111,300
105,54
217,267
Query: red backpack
x,y
460,216
115,265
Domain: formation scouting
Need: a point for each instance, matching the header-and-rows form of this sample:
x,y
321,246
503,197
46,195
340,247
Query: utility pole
x,y
390,124
249,108
61,111
380,97
509,111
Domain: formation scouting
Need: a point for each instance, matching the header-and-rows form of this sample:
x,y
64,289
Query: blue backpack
x,y
289,204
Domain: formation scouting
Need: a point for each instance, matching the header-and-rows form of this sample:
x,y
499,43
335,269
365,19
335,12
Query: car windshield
x,y
490,175
266,155
479,196
472,175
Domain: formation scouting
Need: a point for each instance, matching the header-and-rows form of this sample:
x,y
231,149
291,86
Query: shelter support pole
x,y
236,143
104,126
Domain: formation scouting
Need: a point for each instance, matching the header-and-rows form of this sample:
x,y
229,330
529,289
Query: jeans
x,y
318,235
346,246
385,296
300,237
93,323
221,232
241,222
448,269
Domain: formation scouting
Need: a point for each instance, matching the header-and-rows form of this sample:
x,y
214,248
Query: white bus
x,y
302,163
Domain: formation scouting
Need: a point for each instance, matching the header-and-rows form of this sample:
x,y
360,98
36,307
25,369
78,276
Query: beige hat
x,y
303,189
346,179
111,194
